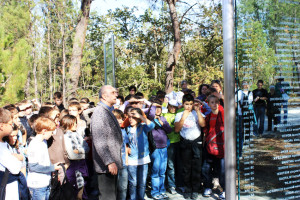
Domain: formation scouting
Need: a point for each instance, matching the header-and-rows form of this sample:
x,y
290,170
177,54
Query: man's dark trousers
x,y
260,113
107,185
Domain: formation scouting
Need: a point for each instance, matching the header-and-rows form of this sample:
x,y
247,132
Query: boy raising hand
x,y
188,123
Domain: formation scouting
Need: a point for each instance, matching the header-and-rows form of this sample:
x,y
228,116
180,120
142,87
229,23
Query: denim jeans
x,y
40,193
159,159
122,183
260,113
137,176
217,164
174,166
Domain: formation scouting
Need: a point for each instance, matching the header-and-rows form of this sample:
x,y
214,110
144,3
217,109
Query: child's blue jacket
x,y
138,142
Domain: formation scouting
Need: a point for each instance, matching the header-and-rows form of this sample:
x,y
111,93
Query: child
x,y
138,102
159,156
56,147
7,160
39,164
15,145
244,100
24,113
84,103
22,134
174,165
218,86
31,123
76,149
123,173
214,133
58,100
75,110
50,112
188,124
139,157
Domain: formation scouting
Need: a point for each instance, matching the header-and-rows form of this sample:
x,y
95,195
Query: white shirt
x,y
7,160
38,153
190,129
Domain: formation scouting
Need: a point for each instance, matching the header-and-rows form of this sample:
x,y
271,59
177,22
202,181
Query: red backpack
x,y
214,140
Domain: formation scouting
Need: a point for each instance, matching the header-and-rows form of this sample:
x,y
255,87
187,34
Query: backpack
x,y
61,191
215,144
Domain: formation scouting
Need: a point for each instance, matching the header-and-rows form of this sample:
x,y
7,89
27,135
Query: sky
x,y
101,6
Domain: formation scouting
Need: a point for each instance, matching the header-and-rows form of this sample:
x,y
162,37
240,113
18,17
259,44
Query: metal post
x,y
229,110
105,72
113,58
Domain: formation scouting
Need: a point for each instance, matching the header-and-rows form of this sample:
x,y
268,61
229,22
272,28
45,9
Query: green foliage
x,y
143,42
256,57
142,45
15,50
257,32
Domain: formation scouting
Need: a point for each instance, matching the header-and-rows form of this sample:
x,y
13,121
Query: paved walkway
x,y
180,197
215,197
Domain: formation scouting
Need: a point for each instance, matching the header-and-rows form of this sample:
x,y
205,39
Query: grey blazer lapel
x,y
110,113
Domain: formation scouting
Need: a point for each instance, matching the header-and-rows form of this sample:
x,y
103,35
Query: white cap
x,y
173,102
171,95
179,97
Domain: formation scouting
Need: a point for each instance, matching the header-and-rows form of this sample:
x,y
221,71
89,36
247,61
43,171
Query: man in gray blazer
x,y
107,143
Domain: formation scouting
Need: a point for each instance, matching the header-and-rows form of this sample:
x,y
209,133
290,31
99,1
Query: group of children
x,y
34,144
173,144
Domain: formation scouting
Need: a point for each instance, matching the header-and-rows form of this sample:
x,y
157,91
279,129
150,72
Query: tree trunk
x,y
78,44
34,74
64,64
27,86
174,54
49,60
155,71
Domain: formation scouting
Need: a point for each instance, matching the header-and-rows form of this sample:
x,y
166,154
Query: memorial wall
x,y
268,99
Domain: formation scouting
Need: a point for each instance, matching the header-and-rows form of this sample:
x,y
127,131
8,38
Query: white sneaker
x,y
207,192
222,195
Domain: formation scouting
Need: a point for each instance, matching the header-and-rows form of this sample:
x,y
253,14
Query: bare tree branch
x,y
186,12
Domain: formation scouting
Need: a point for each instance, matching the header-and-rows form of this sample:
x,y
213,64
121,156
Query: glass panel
x,y
268,128
109,62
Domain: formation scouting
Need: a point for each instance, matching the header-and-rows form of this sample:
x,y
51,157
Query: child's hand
x,y
76,151
132,100
137,115
156,105
158,118
18,156
128,150
196,106
87,138
57,166
185,114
